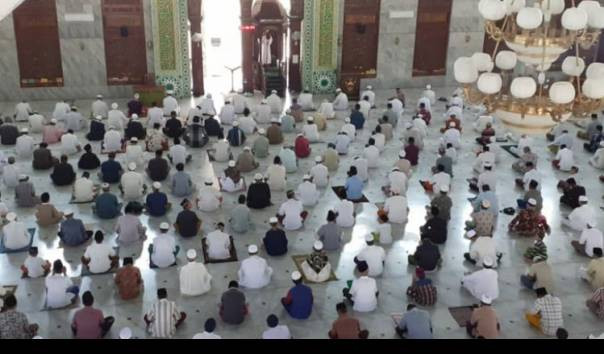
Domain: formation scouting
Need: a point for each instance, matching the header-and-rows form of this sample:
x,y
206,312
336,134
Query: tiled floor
x,y
510,305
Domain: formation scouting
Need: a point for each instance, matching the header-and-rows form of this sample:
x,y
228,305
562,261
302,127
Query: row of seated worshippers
x,y
362,293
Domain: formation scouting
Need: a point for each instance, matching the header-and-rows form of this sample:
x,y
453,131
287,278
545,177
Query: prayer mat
x,y
6,290
4,250
86,271
461,314
153,266
298,260
340,191
508,148
207,259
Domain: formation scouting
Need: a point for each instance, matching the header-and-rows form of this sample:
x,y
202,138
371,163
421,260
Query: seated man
x,y
539,275
128,280
421,290
15,234
233,307
72,231
43,159
435,227
158,168
546,314
182,185
532,193
187,222
132,184
439,180
259,193
363,292
88,322
156,202
60,291
481,247
106,204
246,161
539,248
578,219
565,160
261,145
427,256
254,272
597,160
231,180
134,152
111,170
483,221
46,213
209,199
529,222
163,250
89,160
354,186
25,193
331,233
346,327
594,273
373,255
415,324
275,240
571,192
274,133
129,227
239,218
527,156
218,243
299,300
305,99
302,150
63,173
195,135
482,282
164,317
395,208
307,192
291,213
595,140
452,122
484,322
100,258
84,190
34,266
590,239
316,267
194,277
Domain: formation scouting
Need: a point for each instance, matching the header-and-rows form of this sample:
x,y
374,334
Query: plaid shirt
x,y
423,292
529,223
550,309
598,298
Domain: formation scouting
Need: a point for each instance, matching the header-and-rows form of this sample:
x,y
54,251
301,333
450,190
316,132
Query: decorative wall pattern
x,y
171,45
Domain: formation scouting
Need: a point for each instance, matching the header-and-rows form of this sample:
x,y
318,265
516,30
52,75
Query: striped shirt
x,y
163,317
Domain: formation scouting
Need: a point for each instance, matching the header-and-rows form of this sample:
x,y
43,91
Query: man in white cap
x,y
132,183
135,128
14,234
430,94
246,161
209,198
326,109
231,180
135,106
227,113
291,213
61,109
320,173
438,180
370,94
163,250
397,182
247,124
254,272
99,107
590,238
74,120
260,145
100,257
155,115
538,275
307,192
316,266
484,322
262,112
305,99
349,129
451,136
207,105
22,111
239,102
275,102
363,292
483,281
259,193
340,103
311,130
24,145
597,160
194,277
170,104
342,143
374,255
580,217
84,190
485,157
70,144
112,141
134,152
36,122
218,243
481,122
116,118
72,231
483,221
481,247
395,208
365,106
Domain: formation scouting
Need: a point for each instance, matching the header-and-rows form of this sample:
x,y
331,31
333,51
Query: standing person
x,y
164,317
90,323
346,327
299,300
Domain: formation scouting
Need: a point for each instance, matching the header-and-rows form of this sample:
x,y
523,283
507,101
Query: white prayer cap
x,y
258,177
105,186
402,154
68,212
318,246
487,164
24,130
274,91
452,124
299,135
471,233
137,96
395,168
444,188
99,117
369,238
38,337
114,105
583,198
306,177
487,262
296,276
156,185
23,177
369,87
338,90
209,95
11,216
74,108
347,120
232,163
261,131
247,148
486,204
134,139
274,120
591,223
532,201
132,166
99,96
53,121
318,159
170,92
164,226
428,87
538,258
264,101
273,220
191,254
134,116
236,123
209,180
310,119
486,299
125,333
252,249
408,125
602,143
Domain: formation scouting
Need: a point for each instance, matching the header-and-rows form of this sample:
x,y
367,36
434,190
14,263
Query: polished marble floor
x,y
510,306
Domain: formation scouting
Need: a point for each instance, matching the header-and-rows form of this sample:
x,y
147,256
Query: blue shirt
x,y
107,206
354,188
181,184
73,232
275,242
301,302
156,204
417,323
111,170
357,119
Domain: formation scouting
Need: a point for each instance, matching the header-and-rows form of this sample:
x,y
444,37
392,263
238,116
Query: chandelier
x,y
524,97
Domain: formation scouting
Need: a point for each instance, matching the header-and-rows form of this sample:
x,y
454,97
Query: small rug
x,y
508,148
340,191
153,266
3,250
461,314
86,270
298,260
207,259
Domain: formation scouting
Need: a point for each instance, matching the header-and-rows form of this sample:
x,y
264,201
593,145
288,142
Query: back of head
x,y
128,261
341,307
98,236
57,266
272,321
233,284
541,292
162,293
210,325
87,299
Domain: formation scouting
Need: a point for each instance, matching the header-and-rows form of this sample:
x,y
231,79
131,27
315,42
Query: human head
x,y
180,167
272,321
541,292
99,236
210,325
87,299
10,301
57,266
331,216
33,251
233,284
290,194
45,197
128,261
362,267
561,333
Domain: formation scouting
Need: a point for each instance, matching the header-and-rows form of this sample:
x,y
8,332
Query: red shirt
x,y
87,323
302,147
412,154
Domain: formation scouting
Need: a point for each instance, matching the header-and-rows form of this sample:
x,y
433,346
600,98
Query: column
x,y
295,38
247,45
196,47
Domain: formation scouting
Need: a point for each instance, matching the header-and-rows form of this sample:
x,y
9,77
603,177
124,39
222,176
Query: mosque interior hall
x,y
301,169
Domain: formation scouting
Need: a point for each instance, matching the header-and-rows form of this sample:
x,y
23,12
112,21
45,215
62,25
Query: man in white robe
x,y
170,104
305,99
227,113
254,272
275,102
194,277
22,111
262,112
370,94
207,105
340,103
99,107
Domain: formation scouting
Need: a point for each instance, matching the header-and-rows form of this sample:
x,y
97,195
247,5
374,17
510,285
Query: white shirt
x,y
305,100
530,176
380,141
340,103
15,235
385,231
100,108
307,193
482,282
591,238
69,144
56,291
292,209
452,136
25,146
209,199
365,108
134,153
276,177
487,177
350,130
132,183
442,179
36,123
254,272
247,124
194,279
421,125
178,153
431,95
563,139
363,292
99,257
170,105
372,154
311,132
22,111
487,157
263,114
193,112
326,109
398,182
116,119
240,103
275,103
278,332
397,106
61,109
580,216
112,141
207,106
222,151
83,190
566,158
396,207
320,175
370,94
163,251
34,266
155,115
375,257
219,245
10,175
345,210
206,335
483,247
456,101
227,114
